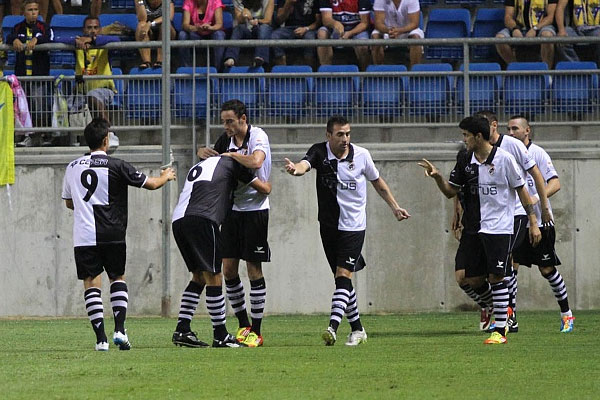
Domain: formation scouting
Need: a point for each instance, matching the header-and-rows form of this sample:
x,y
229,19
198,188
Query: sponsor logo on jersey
x,y
500,264
259,250
350,261
348,185
545,257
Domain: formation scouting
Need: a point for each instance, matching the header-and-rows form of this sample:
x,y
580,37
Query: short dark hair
x,y
95,132
476,124
88,18
489,115
519,116
236,106
26,2
336,120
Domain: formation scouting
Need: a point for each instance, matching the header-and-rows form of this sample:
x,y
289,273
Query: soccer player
x,y
492,177
245,229
544,255
204,202
343,170
95,188
518,150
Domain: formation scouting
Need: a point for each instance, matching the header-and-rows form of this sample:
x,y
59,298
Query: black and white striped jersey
x,y
489,190
342,185
208,188
246,198
517,149
544,163
97,185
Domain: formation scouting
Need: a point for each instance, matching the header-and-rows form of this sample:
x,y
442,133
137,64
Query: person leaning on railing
x,y
24,37
577,18
149,27
528,19
253,21
202,19
297,19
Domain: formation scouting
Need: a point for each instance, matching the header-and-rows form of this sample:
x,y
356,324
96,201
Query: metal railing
x,y
371,99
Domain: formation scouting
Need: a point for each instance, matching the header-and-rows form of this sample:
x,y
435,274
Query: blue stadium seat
x,y
488,22
67,25
144,96
336,95
484,91
429,95
383,95
183,92
122,4
178,21
249,90
447,23
119,84
573,93
289,96
523,93
428,2
227,22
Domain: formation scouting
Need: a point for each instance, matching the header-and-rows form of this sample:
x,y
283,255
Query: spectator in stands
x,y
297,19
582,20
149,27
253,19
91,60
202,19
397,19
524,18
25,36
56,4
347,19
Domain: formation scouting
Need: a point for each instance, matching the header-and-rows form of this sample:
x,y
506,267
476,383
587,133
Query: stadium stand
x,y
289,96
183,92
429,95
250,90
488,22
484,91
383,96
336,95
573,93
447,23
525,93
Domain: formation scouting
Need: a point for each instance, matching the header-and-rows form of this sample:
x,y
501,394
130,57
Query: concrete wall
x,y
410,264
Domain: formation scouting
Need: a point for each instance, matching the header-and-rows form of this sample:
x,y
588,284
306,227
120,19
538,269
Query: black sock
x,y
95,311
215,303
189,302
118,301
237,300
339,301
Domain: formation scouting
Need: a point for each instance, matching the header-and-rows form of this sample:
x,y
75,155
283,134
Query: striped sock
x,y
485,294
559,288
95,311
339,301
500,299
352,313
473,295
258,294
237,300
215,303
118,302
189,302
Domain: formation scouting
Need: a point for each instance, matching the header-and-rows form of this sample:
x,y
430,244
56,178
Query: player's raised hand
x,y
168,173
401,214
205,152
290,167
430,169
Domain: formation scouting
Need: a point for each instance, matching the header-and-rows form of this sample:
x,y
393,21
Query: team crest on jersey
x,y
491,169
351,166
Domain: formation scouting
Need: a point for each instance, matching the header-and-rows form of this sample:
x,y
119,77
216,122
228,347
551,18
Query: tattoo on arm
x,y
529,209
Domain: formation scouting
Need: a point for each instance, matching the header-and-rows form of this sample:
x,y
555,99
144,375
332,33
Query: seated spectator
x,y
298,19
149,27
584,21
56,4
24,37
397,19
98,93
347,19
202,19
524,18
253,19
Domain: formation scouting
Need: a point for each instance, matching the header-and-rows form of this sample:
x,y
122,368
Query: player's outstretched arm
x,y
296,169
534,231
540,185
156,182
386,194
261,187
432,172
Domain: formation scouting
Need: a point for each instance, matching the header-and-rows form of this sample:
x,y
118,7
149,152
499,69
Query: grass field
x,y
414,356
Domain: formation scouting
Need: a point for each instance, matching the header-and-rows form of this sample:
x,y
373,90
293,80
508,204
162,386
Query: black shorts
x,y
520,232
497,253
470,256
543,255
199,242
342,248
91,261
245,236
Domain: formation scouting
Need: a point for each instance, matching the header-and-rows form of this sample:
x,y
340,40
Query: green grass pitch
x,y
408,356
